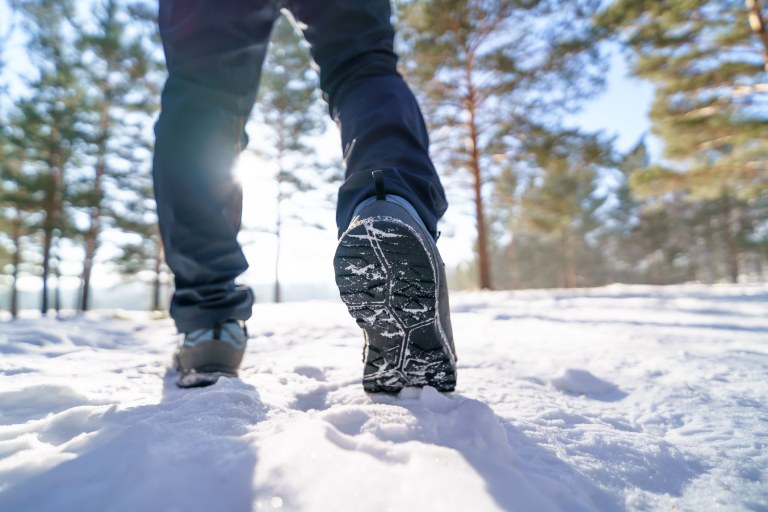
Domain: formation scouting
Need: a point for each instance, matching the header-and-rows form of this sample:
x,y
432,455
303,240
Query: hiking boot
x,y
209,353
392,279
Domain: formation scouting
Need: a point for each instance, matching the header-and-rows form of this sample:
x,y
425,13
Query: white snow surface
x,y
615,398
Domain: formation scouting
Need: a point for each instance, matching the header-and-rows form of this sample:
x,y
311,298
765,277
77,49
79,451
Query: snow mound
x,y
581,382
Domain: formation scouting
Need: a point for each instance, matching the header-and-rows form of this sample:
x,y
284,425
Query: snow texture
x,y
617,398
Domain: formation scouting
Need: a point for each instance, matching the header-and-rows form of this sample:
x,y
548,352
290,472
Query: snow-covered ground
x,y
638,398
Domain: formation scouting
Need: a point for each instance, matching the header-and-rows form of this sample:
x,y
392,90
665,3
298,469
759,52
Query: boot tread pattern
x,y
388,280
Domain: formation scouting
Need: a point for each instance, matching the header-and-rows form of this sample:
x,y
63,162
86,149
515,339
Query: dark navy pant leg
x,y
214,52
380,121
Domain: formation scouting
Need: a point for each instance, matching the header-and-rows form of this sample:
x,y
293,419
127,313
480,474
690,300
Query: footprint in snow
x,y
581,382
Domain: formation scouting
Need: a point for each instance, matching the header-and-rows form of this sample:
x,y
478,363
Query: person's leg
x,y
388,269
214,52
380,121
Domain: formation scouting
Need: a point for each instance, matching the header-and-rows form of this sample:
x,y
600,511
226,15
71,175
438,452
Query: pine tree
x,y
646,236
561,199
18,205
490,72
623,219
118,66
708,67
504,215
46,125
289,109
142,250
707,60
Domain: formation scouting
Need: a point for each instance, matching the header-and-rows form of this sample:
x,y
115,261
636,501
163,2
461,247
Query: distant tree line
x,y
76,143
553,205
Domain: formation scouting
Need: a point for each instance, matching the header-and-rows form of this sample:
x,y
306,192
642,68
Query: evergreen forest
x,y
552,204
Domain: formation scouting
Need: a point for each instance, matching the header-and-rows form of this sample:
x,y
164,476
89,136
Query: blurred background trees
x,y
490,73
290,114
552,204
78,135
707,62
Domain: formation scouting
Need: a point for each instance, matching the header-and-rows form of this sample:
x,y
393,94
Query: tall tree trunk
x,y
159,260
706,251
48,226
85,292
91,241
277,293
47,242
569,265
278,225
16,263
713,250
53,206
91,246
514,266
730,235
57,274
157,284
278,222
483,261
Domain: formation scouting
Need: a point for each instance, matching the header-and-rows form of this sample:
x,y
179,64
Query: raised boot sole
x,y
388,279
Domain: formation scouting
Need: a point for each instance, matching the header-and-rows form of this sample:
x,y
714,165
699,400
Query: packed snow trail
x,y
616,398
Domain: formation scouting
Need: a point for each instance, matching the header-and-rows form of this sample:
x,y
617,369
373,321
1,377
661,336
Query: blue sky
x,y
622,109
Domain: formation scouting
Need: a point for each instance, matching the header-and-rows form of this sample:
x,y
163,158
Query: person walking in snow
x,y
388,269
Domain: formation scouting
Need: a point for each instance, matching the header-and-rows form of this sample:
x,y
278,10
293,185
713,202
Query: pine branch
x,y
746,90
